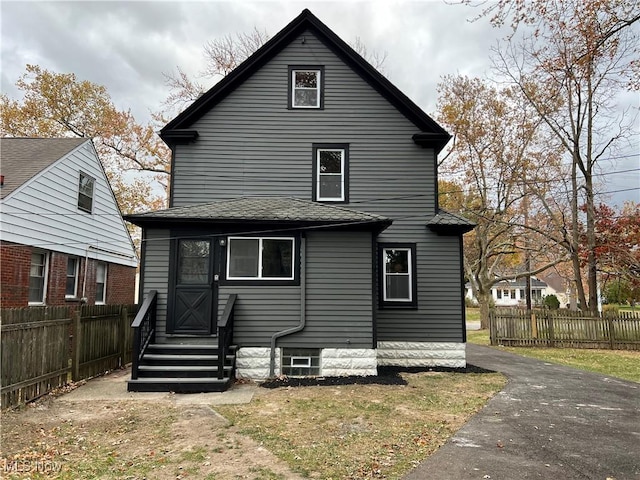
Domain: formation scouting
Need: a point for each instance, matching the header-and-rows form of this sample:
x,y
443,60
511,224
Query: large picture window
x,y
331,170
398,279
306,87
266,258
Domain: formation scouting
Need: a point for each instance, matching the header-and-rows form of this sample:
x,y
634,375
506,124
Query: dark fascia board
x,y
150,222
179,136
437,141
306,20
451,229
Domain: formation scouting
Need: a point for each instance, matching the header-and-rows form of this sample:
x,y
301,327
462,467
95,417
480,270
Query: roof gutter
x,y
303,307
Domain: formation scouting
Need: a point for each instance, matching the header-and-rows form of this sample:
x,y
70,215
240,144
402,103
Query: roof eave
x,y
164,222
437,141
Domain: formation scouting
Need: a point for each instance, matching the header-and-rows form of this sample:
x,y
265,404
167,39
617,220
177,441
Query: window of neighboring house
x,y
38,278
72,277
85,192
505,293
299,362
331,172
398,282
499,294
513,294
101,283
521,294
253,258
306,87
536,294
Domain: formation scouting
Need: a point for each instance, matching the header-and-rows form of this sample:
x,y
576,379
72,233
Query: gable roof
x,y
21,159
277,210
431,133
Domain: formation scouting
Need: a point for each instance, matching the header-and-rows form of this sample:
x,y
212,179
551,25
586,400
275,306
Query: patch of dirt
x,y
129,440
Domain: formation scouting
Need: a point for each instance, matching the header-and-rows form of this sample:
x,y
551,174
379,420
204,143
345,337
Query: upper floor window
x,y
306,87
72,277
85,192
330,171
253,258
398,282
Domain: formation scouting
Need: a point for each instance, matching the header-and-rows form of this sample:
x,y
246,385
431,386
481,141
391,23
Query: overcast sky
x,y
126,46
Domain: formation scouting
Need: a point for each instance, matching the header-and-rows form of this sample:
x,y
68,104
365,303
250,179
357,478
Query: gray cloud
x,y
126,46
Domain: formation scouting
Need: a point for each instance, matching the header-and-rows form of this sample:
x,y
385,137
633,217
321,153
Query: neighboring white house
x,y
511,293
62,236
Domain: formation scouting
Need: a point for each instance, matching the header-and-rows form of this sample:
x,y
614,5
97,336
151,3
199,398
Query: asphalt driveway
x,y
550,422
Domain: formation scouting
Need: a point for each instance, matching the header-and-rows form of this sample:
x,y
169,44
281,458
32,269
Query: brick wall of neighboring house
x,y
15,262
121,284
15,265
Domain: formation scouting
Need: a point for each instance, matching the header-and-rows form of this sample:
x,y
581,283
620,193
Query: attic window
x,y
306,87
85,192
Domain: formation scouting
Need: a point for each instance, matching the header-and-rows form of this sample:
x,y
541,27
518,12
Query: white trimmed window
x,y
305,87
85,192
331,172
101,283
398,282
260,258
38,278
73,265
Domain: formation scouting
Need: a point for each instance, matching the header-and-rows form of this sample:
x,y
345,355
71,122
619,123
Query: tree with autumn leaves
x,y
61,105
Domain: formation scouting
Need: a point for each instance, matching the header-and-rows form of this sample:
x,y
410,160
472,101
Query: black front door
x,y
194,288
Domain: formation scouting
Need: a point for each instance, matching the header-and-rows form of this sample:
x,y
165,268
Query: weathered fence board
x,y
564,328
44,348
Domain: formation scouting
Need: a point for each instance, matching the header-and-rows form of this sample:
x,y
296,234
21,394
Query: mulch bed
x,y
386,376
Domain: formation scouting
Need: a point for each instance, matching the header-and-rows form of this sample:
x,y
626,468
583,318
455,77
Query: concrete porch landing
x,y
113,386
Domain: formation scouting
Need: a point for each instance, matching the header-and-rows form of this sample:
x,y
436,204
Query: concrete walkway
x,y
114,387
549,422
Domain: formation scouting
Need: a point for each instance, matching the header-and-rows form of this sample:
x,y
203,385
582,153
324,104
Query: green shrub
x,y
551,302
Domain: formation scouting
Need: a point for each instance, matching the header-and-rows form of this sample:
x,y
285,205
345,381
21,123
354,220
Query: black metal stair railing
x,y
225,333
144,330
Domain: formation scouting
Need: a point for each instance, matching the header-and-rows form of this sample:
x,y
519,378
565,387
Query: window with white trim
x,y
398,281
85,192
331,170
73,265
38,278
260,258
305,87
101,283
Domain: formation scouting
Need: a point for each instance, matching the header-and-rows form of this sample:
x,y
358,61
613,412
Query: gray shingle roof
x,y
265,209
444,220
23,158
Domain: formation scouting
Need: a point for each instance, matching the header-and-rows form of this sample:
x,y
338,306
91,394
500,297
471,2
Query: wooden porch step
x,y
186,371
179,384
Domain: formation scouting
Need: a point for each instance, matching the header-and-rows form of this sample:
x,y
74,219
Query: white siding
x,y
44,212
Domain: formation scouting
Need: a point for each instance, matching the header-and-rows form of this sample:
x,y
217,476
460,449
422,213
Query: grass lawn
x,y
617,363
363,431
289,433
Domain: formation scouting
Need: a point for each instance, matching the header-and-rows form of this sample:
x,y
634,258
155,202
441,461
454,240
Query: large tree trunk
x,y
484,300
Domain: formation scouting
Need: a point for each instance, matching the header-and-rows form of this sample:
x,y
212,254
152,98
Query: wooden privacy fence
x,y
565,328
44,348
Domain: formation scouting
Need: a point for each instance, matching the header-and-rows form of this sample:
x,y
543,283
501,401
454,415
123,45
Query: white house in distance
x,y
512,293
62,237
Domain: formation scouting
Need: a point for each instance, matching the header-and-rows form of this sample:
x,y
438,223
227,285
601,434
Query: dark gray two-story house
x,y
303,235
